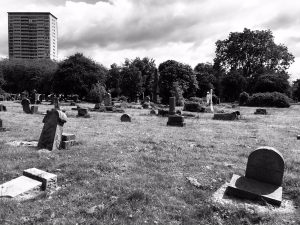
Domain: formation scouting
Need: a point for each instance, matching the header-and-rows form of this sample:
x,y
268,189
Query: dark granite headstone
x,y
83,112
226,116
176,120
261,111
125,118
172,103
263,179
68,140
1,126
26,105
2,108
52,131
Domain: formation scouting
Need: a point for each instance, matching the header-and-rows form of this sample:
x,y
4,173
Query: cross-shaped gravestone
x,y
263,178
52,131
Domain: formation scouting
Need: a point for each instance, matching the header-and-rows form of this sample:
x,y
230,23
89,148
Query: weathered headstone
x,y
26,105
2,108
172,103
263,178
1,126
83,112
56,103
52,131
226,116
34,109
176,120
125,118
107,99
29,185
68,140
261,111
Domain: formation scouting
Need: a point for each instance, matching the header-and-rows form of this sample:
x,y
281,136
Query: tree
x,y
172,71
273,82
28,74
205,75
114,80
233,83
252,53
77,74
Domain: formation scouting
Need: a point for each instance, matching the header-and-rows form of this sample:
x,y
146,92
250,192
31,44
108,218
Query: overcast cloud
x,y
185,30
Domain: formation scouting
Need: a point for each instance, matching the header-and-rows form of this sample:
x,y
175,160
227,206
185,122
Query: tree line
x,y
248,61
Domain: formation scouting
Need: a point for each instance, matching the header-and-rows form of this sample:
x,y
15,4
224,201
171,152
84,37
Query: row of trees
x,y
246,61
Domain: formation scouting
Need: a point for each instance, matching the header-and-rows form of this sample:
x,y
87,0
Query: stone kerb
x,y
266,164
226,116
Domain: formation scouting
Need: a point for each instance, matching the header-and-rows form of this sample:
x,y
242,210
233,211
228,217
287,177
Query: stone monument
x,y
174,119
26,105
261,111
107,99
226,116
52,131
125,118
263,178
83,112
2,108
1,126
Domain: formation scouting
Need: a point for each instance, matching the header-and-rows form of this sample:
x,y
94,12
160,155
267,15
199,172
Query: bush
x,y
215,99
123,98
243,99
96,94
193,107
196,99
269,99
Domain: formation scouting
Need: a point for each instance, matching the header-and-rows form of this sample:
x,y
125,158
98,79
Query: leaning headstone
x,y
83,112
226,116
261,111
172,103
263,178
26,105
52,131
2,108
68,140
125,118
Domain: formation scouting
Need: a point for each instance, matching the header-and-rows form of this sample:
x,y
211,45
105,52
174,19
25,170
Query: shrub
x,y
97,93
196,99
269,99
215,99
243,99
193,107
123,98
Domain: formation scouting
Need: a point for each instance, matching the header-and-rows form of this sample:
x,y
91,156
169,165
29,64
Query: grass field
x,y
135,173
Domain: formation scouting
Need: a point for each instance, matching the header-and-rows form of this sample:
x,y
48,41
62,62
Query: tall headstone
x,y
26,105
1,126
52,131
56,103
107,99
263,178
172,103
83,112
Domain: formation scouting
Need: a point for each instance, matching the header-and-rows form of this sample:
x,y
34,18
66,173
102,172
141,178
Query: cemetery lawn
x,y
135,173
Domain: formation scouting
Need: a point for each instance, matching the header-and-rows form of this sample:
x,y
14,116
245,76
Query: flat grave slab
x,y
252,189
19,186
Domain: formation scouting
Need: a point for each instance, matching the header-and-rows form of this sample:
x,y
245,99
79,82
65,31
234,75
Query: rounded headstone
x,y
125,118
266,164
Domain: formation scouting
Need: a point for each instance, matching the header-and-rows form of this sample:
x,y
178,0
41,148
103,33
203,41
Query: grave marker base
x,y
254,190
176,120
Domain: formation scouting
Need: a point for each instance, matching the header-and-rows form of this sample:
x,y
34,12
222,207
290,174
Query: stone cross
x,y
52,131
172,103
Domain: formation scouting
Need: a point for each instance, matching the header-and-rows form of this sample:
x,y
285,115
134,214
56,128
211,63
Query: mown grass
x,y
136,172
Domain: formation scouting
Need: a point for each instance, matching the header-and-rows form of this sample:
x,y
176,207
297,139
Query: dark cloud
x,y
282,21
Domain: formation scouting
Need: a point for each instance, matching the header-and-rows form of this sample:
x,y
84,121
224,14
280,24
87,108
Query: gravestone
x,y
107,99
263,177
29,185
26,105
176,120
125,118
52,131
34,109
2,108
1,126
172,103
56,103
226,116
68,140
83,112
261,111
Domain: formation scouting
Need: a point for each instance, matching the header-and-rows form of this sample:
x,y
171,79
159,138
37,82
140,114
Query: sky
x,y
109,31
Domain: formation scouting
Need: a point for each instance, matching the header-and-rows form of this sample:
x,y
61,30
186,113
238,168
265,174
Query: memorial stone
x,y
261,111
125,118
1,126
107,99
26,105
83,112
226,116
263,177
52,131
2,108
172,103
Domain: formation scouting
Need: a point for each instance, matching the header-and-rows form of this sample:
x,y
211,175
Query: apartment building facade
x,y
32,35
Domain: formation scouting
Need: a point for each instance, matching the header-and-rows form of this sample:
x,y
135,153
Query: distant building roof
x,y
32,13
